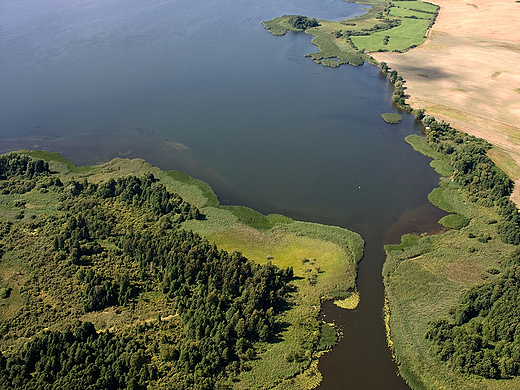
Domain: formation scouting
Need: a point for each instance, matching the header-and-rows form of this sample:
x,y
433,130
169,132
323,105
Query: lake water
x,y
203,88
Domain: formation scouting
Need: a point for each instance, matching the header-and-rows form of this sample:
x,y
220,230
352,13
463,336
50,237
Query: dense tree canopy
x,y
303,22
484,336
106,245
477,173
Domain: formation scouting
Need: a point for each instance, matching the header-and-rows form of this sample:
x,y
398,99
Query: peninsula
x,y
125,276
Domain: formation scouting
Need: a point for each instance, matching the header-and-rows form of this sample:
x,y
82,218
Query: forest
x,y
101,249
483,337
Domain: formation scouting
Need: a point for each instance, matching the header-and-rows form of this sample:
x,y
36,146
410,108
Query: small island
x,y
392,118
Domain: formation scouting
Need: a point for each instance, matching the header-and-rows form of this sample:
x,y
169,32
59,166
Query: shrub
x,y
303,22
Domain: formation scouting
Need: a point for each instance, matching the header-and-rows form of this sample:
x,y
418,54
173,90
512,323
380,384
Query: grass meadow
x,y
410,33
416,5
423,282
407,13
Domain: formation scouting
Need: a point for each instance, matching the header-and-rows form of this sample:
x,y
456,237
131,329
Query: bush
x,y
5,292
303,22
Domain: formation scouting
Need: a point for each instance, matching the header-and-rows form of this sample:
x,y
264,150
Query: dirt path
x,y
468,73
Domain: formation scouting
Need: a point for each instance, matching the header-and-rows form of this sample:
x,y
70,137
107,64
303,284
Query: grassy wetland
x,y
392,118
61,222
434,282
388,26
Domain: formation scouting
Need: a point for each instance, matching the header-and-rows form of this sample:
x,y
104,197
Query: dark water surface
x,y
202,87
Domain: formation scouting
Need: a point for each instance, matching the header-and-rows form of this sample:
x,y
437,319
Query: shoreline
x,y
455,75
503,135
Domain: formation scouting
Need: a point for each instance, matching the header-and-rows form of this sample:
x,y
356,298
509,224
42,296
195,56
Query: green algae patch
x,y
350,303
392,118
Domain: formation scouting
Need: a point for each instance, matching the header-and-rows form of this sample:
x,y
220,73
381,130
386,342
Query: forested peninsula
x,y
125,276
117,276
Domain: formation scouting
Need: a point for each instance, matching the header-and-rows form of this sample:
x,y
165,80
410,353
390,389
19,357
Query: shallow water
x,y
203,88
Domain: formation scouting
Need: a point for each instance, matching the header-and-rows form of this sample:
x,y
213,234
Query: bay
x,y
203,88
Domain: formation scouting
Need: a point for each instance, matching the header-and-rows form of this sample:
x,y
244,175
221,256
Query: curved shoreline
x,y
436,82
387,27
469,75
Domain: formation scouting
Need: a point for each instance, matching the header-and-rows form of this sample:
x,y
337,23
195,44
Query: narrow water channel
x,y
358,361
362,359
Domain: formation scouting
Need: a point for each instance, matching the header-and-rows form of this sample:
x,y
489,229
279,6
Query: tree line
x,y
482,337
474,171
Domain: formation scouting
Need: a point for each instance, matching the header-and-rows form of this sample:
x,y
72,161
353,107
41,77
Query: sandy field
x,y
468,73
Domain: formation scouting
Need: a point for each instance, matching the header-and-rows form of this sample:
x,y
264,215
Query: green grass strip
x,y
409,34
420,144
404,13
255,219
416,5
454,221
407,241
56,157
207,191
